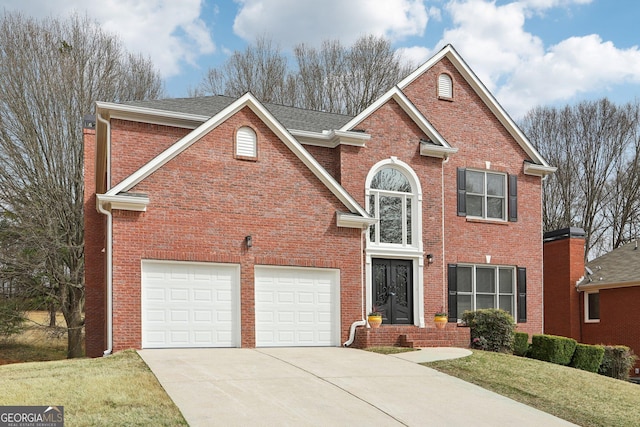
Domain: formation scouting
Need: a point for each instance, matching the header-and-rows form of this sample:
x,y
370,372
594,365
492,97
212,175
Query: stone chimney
x,y
563,268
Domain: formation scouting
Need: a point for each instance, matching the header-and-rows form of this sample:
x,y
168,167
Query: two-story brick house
x,y
221,222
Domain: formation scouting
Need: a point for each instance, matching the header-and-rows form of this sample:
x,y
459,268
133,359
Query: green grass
x,y
115,390
577,396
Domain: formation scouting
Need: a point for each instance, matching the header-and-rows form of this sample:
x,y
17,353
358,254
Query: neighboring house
x,y
221,222
596,303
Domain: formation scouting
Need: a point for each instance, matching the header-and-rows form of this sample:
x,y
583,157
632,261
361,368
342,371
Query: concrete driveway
x,y
326,387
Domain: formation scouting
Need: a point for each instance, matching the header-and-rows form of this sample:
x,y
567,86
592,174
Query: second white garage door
x,y
297,306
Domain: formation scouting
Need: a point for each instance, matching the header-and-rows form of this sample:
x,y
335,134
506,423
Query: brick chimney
x,y
563,267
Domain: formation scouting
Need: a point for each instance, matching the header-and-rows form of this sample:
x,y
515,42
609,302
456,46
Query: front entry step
x,y
412,336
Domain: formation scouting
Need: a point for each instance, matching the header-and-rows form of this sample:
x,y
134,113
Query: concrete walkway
x,y
328,387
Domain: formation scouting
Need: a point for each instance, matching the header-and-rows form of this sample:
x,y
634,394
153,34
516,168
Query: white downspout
x,y
362,322
108,248
444,265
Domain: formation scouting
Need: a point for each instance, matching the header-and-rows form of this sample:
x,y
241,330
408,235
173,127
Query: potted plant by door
x,y
441,318
374,318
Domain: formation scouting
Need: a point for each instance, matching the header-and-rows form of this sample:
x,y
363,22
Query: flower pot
x,y
440,321
374,321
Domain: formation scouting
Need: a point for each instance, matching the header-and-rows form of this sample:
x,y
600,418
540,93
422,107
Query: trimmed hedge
x,y
491,329
554,349
521,344
617,361
587,357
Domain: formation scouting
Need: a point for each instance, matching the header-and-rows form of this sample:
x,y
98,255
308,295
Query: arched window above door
x,y
393,199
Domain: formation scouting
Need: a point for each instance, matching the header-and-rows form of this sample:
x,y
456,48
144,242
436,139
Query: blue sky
x,y
527,52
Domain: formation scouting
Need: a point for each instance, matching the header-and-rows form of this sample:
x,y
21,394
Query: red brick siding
x,y
563,267
203,204
329,158
133,144
468,124
94,257
619,320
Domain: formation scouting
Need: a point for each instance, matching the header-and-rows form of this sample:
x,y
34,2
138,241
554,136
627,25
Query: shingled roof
x,y
290,117
620,266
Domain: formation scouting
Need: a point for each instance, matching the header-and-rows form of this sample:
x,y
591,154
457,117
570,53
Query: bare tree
x,y
260,69
320,76
51,73
334,78
592,144
372,68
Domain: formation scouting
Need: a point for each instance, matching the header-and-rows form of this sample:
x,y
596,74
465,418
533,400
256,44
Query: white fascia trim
x,y
538,170
483,93
349,220
408,107
136,203
247,100
150,115
595,286
331,139
430,150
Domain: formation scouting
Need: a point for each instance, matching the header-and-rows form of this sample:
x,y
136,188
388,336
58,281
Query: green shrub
x,y
551,348
617,361
491,329
521,343
587,357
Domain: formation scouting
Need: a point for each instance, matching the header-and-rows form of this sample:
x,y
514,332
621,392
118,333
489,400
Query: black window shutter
x,y
453,292
462,192
513,198
522,295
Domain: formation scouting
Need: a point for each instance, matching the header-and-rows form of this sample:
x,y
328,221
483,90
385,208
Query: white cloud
x,y
169,32
577,65
516,65
290,22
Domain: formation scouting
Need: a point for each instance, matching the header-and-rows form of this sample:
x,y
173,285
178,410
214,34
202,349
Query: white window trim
x,y
586,308
473,293
505,198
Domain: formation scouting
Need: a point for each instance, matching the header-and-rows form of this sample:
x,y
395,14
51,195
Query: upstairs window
x,y
246,143
487,195
392,201
445,86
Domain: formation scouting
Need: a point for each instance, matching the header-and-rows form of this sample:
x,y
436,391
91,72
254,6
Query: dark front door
x,y
393,290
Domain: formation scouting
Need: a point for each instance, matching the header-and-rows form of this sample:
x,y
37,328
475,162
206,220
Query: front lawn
x,y
116,390
583,398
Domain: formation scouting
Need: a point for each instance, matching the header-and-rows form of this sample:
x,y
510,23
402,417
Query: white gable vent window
x,y
445,86
246,143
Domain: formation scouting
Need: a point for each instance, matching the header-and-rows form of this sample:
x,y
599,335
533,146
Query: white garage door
x,y
190,304
297,306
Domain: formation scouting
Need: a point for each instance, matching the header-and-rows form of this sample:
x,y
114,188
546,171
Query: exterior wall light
x,y
248,240
430,258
